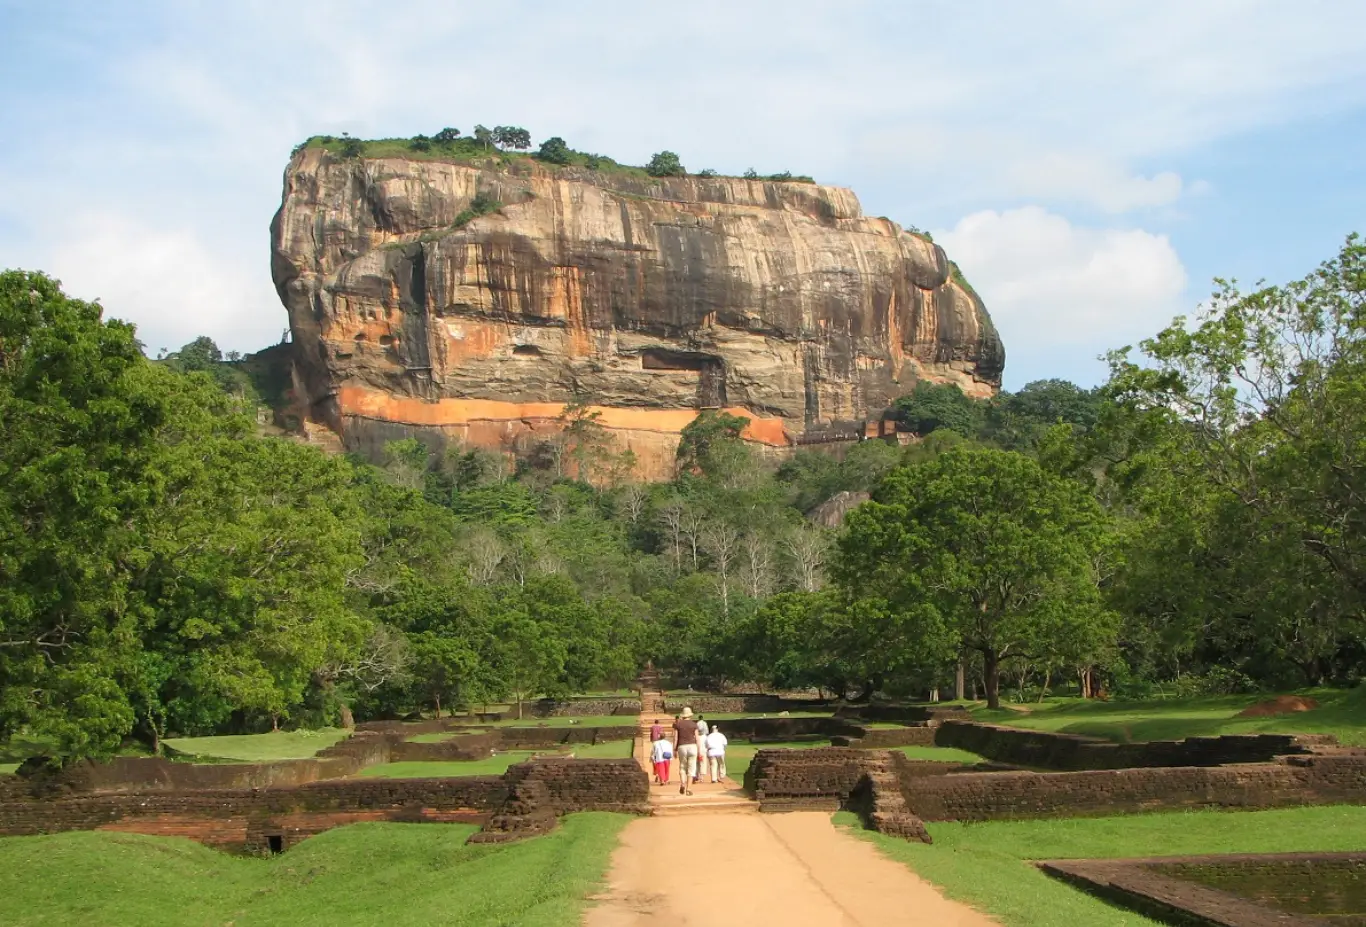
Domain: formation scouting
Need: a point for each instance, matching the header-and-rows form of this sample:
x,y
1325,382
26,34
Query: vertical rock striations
x,y
647,298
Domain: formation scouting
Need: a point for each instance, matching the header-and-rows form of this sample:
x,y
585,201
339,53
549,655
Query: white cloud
x,y
1061,294
167,282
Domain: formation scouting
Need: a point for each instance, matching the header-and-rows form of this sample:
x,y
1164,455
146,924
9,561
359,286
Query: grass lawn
x,y
942,754
400,875
7,769
495,765
1341,713
986,864
416,769
260,748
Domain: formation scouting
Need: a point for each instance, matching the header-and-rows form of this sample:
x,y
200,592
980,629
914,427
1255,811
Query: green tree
x,y
448,136
931,407
711,445
80,417
484,136
665,164
1267,391
511,137
554,151
990,545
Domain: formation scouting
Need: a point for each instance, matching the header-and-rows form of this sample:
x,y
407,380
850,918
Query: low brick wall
x,y
1011,795
577,708
904,714
920,735
1250,890
1046,750
143,774
732,704
776,729
276,817
817,780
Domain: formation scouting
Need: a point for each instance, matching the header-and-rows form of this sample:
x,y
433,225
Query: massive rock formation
x,y
647,298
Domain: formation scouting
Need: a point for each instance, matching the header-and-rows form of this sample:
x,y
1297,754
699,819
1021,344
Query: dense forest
x,y
1196,524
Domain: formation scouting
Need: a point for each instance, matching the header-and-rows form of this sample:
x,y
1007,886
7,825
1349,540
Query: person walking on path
x,y
661,752
701,748
716,754
656,731
685,749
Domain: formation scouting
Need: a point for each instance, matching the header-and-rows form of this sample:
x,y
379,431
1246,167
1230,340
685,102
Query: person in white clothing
x,y
716,754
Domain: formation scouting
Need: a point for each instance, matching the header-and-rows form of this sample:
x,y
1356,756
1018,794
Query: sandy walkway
x,y
791,870
710,859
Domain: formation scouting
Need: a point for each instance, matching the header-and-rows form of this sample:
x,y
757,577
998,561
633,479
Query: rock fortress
x,y
472,302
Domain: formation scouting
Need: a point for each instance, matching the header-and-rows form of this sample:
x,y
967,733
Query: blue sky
x,y
1090,166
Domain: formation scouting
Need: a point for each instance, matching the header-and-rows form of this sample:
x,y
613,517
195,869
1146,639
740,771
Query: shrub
x,y
351,147
751,174
706,172
481,205
420,143
445,136
781,176
665,164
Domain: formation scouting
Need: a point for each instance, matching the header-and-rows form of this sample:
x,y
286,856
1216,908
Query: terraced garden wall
x,y
525,800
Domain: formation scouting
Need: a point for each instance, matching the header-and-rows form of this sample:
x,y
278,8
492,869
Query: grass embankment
x,y
987,865
1341,713
495,765
740,755
392,874
260,748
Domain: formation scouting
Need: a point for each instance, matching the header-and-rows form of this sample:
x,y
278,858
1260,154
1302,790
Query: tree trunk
x,y
934,694
437,698
1047,676
991,677
348,720
960,681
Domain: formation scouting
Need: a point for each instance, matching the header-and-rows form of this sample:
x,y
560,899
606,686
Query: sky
x,y
1090,166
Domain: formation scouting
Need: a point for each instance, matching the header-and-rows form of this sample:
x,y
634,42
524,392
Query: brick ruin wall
x,y
1250,890
1047,750
733,704
842,777
1295,780
247,818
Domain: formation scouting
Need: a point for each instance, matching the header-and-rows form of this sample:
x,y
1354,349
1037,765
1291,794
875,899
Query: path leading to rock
x,y
711,859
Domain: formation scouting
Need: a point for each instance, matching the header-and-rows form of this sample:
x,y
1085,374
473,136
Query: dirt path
x,y
792,870
712,860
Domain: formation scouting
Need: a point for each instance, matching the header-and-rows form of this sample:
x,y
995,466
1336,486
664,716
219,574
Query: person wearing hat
x,y
685,750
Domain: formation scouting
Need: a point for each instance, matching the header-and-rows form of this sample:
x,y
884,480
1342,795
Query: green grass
x,y
260,748
986,864
7,769
1341,713
415,769
399,875
740,755
942,754
495,765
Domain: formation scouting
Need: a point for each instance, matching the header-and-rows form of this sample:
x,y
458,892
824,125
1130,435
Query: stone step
x,y
705,807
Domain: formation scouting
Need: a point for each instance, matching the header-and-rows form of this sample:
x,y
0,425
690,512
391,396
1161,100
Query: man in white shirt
x,y
716,754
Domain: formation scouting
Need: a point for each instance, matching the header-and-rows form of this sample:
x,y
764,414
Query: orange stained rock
x,y
370,403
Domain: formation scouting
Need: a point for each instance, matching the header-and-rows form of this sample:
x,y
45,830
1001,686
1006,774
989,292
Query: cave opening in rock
x,y
525,350
276,843
664,359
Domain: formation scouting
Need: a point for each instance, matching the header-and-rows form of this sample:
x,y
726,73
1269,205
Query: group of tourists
x,y
700,750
